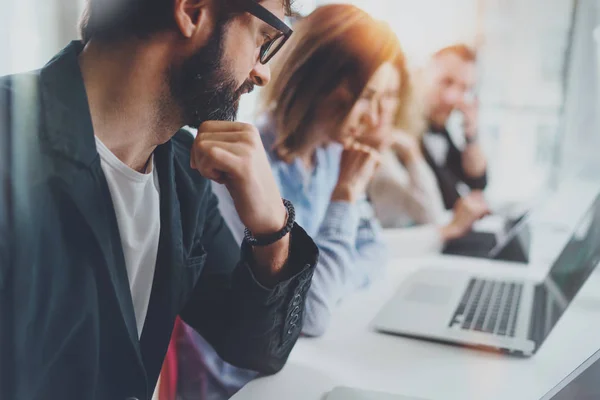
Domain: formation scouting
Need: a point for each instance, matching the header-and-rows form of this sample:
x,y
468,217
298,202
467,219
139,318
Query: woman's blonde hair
x,y
336,44
410,116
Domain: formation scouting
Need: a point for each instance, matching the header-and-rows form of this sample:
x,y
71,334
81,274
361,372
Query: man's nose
x,y
260,74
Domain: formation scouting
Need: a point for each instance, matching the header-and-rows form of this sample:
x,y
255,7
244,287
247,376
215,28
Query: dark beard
x,y
203,88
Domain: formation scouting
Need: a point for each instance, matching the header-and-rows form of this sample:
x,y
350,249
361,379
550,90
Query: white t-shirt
x,y
136,201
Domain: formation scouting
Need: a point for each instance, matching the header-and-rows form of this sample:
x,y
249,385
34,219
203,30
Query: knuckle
x,y
253,130
202,146
205,126
201,137
254,135
213,152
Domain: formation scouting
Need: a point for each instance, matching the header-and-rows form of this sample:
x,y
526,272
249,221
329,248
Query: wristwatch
x,y
266,240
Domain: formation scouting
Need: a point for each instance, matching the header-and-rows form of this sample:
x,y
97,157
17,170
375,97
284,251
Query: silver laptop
x,y
511,315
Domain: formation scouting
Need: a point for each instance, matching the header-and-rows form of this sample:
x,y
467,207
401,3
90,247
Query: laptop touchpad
x,y
428,293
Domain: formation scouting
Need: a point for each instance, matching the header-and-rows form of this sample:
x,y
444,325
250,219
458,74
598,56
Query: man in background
x,y
451,77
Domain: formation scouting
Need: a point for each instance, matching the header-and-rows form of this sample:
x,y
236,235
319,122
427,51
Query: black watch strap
x,y
266,240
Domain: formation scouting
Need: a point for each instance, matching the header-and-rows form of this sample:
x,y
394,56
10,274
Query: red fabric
x,y
167,389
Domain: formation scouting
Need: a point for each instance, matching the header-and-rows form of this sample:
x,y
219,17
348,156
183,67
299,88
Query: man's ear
x,y
195,17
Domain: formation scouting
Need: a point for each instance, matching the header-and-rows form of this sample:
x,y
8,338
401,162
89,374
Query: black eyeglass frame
x,y
268,17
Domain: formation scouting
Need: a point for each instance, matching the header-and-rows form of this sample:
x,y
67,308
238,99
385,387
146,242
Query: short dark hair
x,y
465,52
116,19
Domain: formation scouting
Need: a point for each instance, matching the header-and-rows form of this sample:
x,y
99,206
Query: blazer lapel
x,y
69,133
93,201
164,299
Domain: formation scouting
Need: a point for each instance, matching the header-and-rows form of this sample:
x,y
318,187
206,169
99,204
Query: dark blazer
x,y
452,172
68,328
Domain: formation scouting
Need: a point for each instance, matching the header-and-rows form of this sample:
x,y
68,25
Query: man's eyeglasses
x,y
270,48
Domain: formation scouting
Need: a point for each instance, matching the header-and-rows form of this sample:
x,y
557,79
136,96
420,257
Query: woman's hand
x,y
356,170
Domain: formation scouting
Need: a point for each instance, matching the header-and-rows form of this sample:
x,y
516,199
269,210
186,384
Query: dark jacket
x,y
451,172
68,328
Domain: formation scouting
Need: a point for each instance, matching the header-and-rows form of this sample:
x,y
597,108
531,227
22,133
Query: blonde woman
x,y
404,191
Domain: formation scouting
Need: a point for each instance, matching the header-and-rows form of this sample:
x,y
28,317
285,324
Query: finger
x,y
232,137
361,148
218,164
348,143
207,170
238,148
369,152
225,126
211,173
374,158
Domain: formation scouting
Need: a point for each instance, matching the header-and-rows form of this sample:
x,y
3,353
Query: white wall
x,y
32,31
425,26
581,136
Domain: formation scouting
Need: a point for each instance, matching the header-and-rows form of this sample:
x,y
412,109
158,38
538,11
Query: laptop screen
x,y
567,275
517,231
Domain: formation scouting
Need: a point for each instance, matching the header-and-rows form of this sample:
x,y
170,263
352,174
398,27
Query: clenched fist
x,y
357,167
232,153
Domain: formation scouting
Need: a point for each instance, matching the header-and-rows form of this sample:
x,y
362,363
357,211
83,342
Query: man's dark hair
x,y
463,51
117,19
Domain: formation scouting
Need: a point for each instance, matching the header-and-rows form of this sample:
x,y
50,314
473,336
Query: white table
x,y
352,354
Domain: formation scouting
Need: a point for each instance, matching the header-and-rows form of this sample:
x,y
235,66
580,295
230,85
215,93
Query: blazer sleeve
x,y
337,269
249,325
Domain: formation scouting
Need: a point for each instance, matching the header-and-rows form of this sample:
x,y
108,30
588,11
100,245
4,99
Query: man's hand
x,y
470,110
357,167
473,160
232,153
467,211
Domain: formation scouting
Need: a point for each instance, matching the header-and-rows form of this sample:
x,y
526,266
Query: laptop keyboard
x,y
489,306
